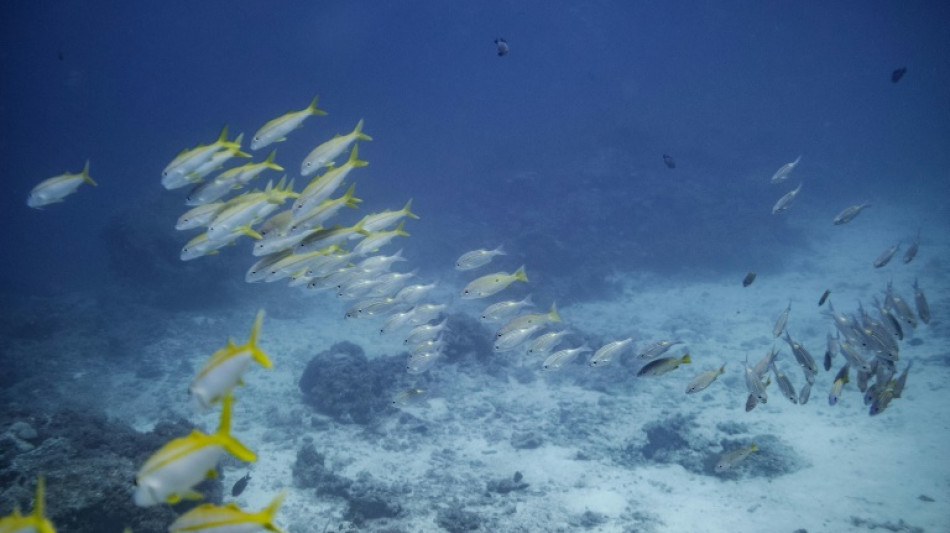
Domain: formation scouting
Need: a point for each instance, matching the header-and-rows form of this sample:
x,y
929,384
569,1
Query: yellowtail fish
x,y
838,386
530,319
384,219
661,366
377,239
207,518
323,155
491,284
53,190
704,380
223,371
171,473
477,258
34,522
323,186
730,460
176,174
277,129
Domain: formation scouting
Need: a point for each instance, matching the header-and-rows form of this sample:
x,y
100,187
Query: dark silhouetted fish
x,y
749,278
824,297
670,162
502,47
898,74
240,485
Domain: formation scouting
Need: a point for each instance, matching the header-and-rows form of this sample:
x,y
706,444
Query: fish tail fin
x,y
406,210
349,200
521,275
223,136
252,340
400,231
313,109
228,442
40,504
358,132
85,175
354,159
685,359
269,162
553,314
753,447
246,229
500,250
722,369
266,515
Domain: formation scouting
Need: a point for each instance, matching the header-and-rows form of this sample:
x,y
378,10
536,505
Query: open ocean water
x,y
531,279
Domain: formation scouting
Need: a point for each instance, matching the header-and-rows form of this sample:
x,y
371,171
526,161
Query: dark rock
x,y
526,440
454,519
506,485
342,383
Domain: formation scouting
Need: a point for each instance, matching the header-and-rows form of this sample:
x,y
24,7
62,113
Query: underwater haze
x,y
611,266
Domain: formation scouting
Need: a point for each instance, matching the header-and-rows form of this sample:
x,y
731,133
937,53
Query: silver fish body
x,y
848,214
782,321
785,202
886,256
923,309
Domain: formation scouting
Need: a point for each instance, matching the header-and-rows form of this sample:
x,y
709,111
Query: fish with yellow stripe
x,y
34,522
228,518
171,473
226,366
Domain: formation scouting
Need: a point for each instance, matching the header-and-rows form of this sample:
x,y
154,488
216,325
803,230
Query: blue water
x,y
554,150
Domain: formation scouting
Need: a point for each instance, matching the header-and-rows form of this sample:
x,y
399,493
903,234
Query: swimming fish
x,y
176,173
240,485
497,312
543,344
669,161
491,284
558,359
782,321
657,349
377,239
748,279
923,309
912,249
199,216
782,173
730,460
704,380
324,154
514,338
502,47
606,353
530,319
785,202
784,384
208,518
754,385
848,214
384,219
658,367
277,129
171,473
323,186
824,296
897,74
805,360
804,394
53,190
35,522
840,379
226,366
477,258
407,394
886,256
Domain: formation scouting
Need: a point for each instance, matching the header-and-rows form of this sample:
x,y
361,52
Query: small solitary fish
x,y
407,395
911,252
502,46
748,279
848,214
730,460
669,161
785,202
886,256
897,74
824,297
782,321
664,365
53,190
704,380
782,173
923,308
840,379
240,485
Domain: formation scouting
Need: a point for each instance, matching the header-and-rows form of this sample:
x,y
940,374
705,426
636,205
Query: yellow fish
x,y
486,286
276,130
227,519
31,523
53,190
171,473
224,369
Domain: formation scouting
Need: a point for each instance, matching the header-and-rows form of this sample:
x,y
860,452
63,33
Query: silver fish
x,y
804,394
657,349
912,249
805,360
754,385
785,384
785,202
782,321
901,382
558,359
894,300
848,214
704,380
886,256
923,309
606,353
782,173
730,460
